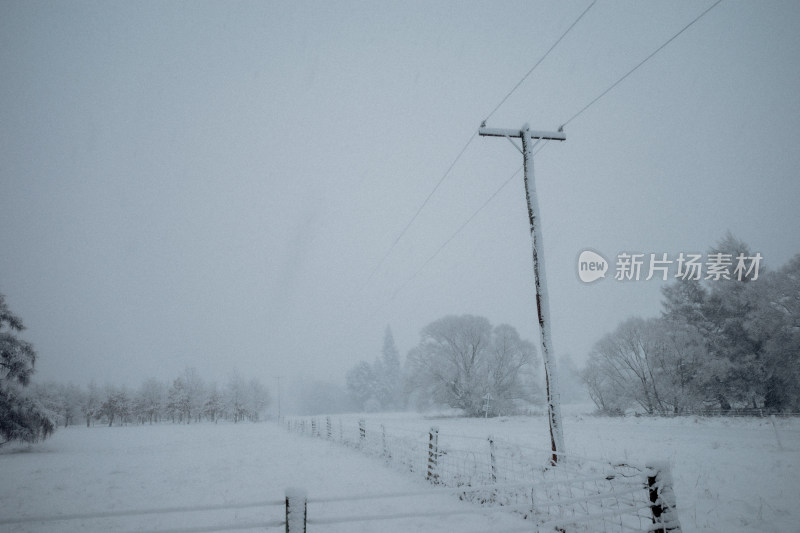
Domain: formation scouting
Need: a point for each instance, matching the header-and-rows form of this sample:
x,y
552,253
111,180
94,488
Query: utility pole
x,y
279,397
539,277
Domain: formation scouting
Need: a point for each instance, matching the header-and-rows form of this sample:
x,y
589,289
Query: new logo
x,y
591,266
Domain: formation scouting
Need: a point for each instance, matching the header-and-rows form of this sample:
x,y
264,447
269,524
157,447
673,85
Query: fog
x,y
222,186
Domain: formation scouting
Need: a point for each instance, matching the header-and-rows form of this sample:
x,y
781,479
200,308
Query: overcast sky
x,y
211,184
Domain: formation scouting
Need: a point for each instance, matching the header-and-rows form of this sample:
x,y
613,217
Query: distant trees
x,y
22,417
149,401
378,386
461,361
186,399
721,344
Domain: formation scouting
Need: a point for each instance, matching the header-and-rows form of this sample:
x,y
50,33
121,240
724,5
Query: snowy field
x,y
729,474
89,471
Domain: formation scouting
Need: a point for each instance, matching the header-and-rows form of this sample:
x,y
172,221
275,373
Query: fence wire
x,y
576,495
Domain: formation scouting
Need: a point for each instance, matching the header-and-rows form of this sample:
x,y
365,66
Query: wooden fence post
x,y
492,464
433,455
386,453
296,510
362,431
328,427
662,498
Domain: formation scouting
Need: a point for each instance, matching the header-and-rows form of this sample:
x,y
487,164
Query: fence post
x,y
386,453
492,463
313,427
775,428
662,498
433,455
296,510
362,431
328,424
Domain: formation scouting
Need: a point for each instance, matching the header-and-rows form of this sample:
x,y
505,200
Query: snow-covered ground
x,y
96,470
729,474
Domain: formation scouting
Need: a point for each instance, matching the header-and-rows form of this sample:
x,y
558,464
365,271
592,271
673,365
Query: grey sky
x,y
210,184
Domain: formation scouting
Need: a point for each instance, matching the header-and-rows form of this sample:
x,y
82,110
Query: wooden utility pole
x,y
279,397
539,277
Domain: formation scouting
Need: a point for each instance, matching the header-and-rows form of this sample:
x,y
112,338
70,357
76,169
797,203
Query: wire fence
x,y
84,521
577,494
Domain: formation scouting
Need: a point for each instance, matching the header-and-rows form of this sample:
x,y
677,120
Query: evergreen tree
x,y
21,417
390,386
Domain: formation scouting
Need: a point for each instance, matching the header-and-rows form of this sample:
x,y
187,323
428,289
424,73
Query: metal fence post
x,y
433,455
296,510
662,498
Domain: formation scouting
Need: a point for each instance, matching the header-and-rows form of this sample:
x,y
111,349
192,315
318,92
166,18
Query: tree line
x,y
183,400
719,344
31,411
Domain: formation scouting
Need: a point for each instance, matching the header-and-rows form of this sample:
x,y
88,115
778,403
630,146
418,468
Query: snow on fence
x,y
579,494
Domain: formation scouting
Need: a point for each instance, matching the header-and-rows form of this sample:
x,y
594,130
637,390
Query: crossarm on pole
x,y
549,135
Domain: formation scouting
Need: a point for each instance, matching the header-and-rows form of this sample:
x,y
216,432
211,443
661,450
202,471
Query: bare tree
x,y
462,359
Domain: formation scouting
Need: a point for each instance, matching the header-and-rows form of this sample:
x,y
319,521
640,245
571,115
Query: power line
x,y
461,228
587,106
421,207
447,172
645,60
520,82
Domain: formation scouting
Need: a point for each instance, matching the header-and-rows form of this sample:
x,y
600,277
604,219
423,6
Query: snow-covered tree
x,y
257,399
21,417
380,385
462,359
117,405
61,402
235,397
775,324
361,384
194,389
178,406
90,405
730,342
150,400
214,405
244,400
631,365
389,374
